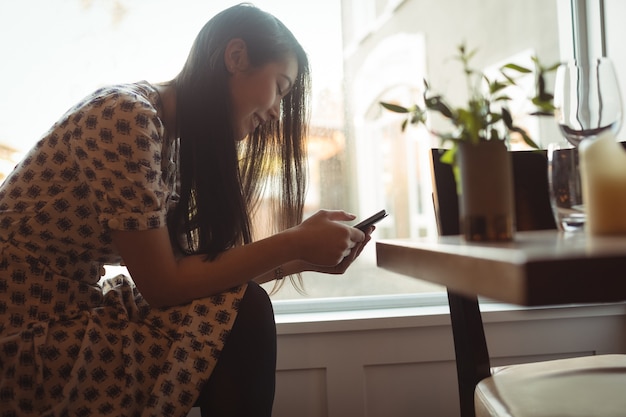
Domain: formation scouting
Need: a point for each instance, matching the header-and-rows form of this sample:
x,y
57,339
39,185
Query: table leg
x,y
470,346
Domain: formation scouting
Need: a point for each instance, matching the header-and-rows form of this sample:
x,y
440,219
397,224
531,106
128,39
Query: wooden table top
x,y
537,268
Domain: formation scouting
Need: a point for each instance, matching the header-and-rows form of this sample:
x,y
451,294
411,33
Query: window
x,y
361,53
388,52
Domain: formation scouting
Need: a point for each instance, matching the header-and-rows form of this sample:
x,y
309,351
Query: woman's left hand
x,y
342,266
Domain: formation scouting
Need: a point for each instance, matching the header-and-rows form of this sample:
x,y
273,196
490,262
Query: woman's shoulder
x,y
114,103
127,97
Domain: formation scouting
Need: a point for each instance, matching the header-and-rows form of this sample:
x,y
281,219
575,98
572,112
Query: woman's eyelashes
x,y
283,89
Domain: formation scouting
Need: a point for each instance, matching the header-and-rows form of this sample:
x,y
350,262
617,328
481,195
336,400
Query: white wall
x,y
404,366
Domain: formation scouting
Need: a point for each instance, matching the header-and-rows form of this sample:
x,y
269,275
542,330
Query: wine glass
x,y
587,102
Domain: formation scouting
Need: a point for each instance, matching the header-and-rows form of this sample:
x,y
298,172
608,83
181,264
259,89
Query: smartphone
x,y
365,224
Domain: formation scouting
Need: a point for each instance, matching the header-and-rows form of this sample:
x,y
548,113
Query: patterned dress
x,y
70,346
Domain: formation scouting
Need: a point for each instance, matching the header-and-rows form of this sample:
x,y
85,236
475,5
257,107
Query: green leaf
x,y
471,54
526,138
542,113
395,107
553,67
436,103
493,134
418,117
508,78
518,68
507,118
495,118
544,105
448,156
496,86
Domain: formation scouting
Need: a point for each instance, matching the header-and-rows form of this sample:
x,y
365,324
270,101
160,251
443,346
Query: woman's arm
x,y
164,280
295,267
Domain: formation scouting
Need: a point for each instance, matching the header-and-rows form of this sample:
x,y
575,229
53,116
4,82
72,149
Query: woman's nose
x,y
274,111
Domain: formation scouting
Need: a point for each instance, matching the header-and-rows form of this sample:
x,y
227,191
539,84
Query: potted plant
x,y
478,139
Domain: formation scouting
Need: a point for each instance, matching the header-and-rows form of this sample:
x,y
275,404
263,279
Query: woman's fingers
x,y
326,240
339,215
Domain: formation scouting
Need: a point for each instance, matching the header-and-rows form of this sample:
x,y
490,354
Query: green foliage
x,y
485,115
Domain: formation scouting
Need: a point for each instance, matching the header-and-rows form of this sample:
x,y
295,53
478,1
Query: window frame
x,y
581,33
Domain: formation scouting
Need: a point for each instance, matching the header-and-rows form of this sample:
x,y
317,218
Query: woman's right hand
x,y
324,240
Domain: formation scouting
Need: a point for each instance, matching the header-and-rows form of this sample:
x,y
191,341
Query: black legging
x,y
243,381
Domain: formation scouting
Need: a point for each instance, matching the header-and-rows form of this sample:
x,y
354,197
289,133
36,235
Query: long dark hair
x,y
222,179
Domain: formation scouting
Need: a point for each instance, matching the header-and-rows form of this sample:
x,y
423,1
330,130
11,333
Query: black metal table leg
x,y
470,346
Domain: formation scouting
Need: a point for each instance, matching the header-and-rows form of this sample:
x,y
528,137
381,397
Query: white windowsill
x,y
410,310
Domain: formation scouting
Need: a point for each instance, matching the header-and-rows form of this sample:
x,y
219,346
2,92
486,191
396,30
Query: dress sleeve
x,y
119,154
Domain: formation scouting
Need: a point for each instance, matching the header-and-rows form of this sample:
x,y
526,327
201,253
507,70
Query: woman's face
x,y
257,93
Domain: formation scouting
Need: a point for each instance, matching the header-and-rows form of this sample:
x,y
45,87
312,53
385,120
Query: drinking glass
x,y
565,186
587,102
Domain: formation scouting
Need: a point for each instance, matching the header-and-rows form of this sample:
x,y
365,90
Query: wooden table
x,y
537,268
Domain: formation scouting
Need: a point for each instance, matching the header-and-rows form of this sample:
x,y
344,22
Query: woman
x,y
166,179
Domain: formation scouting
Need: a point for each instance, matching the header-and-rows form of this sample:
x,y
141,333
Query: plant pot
x,y
486,206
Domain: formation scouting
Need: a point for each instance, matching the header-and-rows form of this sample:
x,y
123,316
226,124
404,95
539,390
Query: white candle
x,y
603,175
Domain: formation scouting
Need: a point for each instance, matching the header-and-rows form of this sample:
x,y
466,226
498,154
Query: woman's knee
x,y
256,303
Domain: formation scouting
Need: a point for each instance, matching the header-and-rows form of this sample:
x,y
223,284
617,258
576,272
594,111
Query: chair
x,y
549,388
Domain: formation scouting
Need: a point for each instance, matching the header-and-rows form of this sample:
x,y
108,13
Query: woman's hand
x,y
342,266
302,266
326,243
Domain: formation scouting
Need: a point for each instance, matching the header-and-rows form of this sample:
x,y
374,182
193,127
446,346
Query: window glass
x,y
54,53
388,52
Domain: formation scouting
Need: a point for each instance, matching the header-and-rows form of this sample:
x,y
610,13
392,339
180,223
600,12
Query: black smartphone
x,y
365,224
